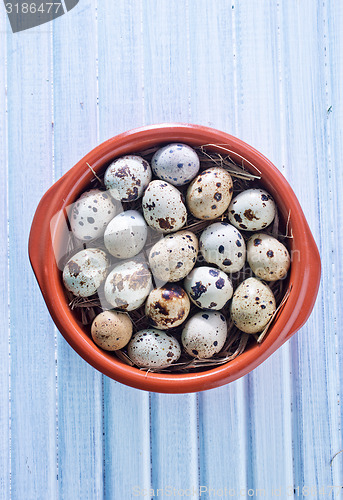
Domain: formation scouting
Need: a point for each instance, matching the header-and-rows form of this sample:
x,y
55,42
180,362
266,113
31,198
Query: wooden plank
x,y
223,439
120,57
174,425
314,387
259,110
80,394
166,62
223,411
212,63
33,391
126,410
331,180
4,306
127,441
174,444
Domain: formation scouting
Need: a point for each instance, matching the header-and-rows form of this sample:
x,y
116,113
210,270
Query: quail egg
x,y
91,213
252,210
153,348
126,234
85,271
128,285
127,177
252,306
210,193
176,163
163,207
204,334
174,256
111,330
167,307
208,288
268,257
223,245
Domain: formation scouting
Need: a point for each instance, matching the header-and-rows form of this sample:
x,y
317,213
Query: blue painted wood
x,y
174,422
32,366
222,412
269,73
174,443
331,231
121,107
4,287
80,394
303,48
165,65
127,460
260,122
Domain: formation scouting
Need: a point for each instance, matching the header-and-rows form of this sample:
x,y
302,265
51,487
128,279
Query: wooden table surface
x,y
268,72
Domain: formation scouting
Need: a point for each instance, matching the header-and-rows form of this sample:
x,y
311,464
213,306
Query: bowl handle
x,y
310,283
40,241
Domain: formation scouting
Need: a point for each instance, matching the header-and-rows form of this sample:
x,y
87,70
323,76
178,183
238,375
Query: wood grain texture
x,y
303,49
80,395
260,123
121,107
222,412
333,56
4,286
268,72
33,393
174,425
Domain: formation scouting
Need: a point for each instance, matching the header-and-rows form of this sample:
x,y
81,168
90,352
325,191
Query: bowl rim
x,y
304,275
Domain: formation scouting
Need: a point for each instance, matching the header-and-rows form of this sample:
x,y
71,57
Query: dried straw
x,y
237,342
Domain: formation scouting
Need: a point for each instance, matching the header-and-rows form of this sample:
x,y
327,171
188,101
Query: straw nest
x,y
237,342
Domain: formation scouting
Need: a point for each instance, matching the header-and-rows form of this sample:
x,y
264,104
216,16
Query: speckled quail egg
x,y
253,305
153,348
163,207
208,288
252,210
167,306
174,256
126,234
204,334
127,177
85,271
128,285
223,245
175,163
268,257
111,330
91,213
210,193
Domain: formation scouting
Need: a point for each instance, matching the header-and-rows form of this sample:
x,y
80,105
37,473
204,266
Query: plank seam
x,y
98,141
334,442
197,416
103,437
150,437
142,60
53,180
234,53
189,85
8,274
286,352
249,444
243,382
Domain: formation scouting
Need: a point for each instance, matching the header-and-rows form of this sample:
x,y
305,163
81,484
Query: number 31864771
x,y
32,8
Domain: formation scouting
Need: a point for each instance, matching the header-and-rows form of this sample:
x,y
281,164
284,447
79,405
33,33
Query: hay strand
x,y
86,308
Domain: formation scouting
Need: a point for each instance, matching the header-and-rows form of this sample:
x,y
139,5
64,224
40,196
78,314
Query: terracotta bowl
x,y
48,234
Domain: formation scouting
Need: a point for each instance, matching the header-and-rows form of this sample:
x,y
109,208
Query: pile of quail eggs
x,y
149,257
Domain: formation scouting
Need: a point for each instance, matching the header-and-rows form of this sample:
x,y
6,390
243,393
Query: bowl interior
x,y
80,178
